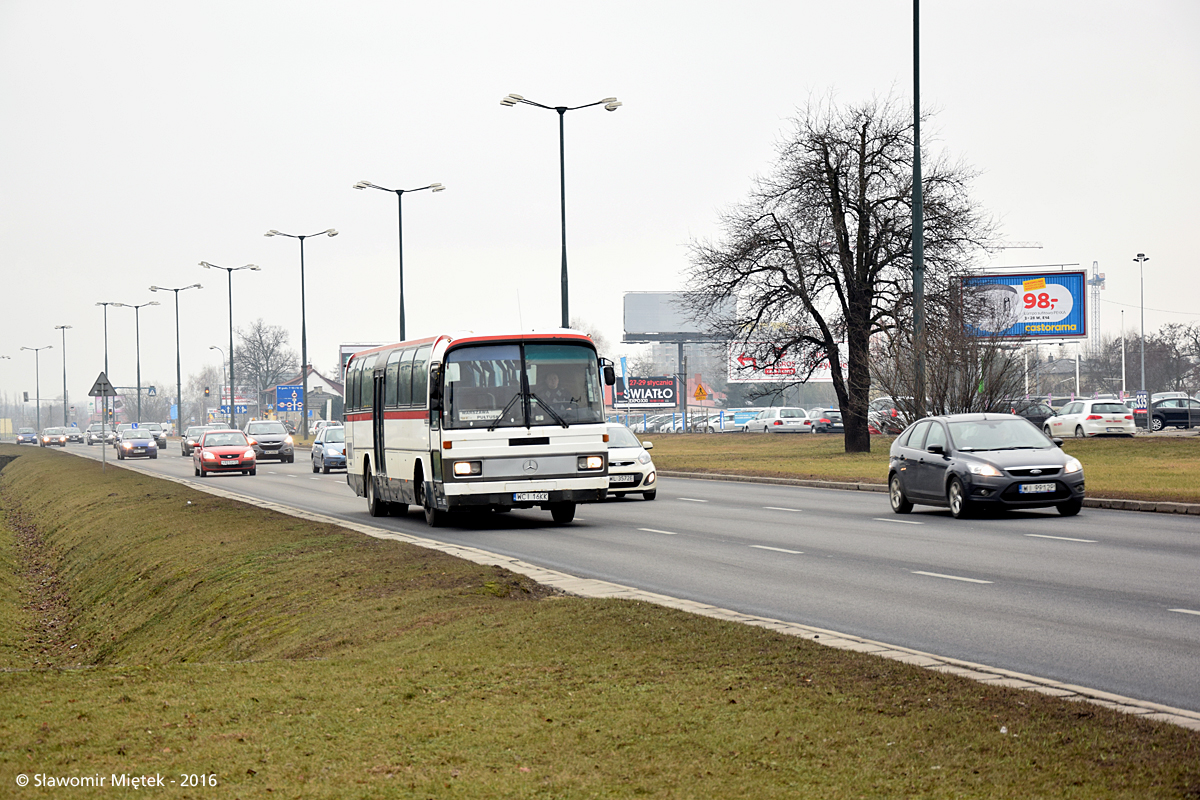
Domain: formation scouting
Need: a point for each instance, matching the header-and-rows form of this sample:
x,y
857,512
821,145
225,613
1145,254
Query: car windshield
x,y
522,385
195,433
225,439
335,435
259,428
620,436
1010,433
25,430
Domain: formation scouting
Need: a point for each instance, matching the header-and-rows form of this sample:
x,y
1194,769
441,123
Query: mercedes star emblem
x,y
529,467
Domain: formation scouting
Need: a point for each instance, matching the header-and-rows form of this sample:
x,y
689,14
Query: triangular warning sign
x,y
102,388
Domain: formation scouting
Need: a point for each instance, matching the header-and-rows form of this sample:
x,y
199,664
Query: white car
x,y
630,468
1084,418
779,420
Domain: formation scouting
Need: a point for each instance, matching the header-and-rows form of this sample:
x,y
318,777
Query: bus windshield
x,y
484,386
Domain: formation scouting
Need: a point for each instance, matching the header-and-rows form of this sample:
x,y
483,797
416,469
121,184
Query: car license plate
x,y
226,463
1036,488
1115,430
622,478
524,497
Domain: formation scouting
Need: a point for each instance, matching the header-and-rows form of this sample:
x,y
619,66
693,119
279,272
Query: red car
x,y
224,451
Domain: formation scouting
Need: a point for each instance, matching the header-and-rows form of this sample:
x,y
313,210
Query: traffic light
x,y
206,391
26,397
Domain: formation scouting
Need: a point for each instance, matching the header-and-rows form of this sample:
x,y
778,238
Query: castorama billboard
x,y
1041,305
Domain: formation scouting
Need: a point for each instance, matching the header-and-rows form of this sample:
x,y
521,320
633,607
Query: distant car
x,y
1036,411
778,420
93,433
136,443
825,420
1088,418
27,436
630,468
270,440
53,437
886,415
1154,398
224,451
121,427
157,431
971,461
1178,412
329,449
192,435
291,426
74,434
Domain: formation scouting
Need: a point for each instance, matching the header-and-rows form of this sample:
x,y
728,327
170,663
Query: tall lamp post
x,y
37,377
64,329
437,187
222,352
610,104
1142,258
232,393
104,400
137,332
303,323
178,371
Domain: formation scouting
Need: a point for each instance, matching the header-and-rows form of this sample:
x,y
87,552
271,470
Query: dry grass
x,y
300,660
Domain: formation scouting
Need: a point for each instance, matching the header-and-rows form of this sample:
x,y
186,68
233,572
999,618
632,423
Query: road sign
x,y
700,394
289,398
151,392
102,388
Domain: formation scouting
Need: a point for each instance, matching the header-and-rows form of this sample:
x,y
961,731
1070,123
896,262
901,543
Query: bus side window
x,y
405,395
391,382
420,377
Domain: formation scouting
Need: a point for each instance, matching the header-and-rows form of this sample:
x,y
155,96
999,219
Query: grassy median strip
x,y
1165,469
289,658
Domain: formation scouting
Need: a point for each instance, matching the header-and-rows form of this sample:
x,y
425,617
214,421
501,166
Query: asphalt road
x,y
1108,599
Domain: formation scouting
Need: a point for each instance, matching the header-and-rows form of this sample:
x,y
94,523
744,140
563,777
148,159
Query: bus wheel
x,y
433,517
562,512
377,507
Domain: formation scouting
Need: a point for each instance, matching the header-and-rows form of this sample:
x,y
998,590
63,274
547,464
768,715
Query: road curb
x,y
1090,502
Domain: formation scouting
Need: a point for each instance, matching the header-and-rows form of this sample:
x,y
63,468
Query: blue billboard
x,y
1031,305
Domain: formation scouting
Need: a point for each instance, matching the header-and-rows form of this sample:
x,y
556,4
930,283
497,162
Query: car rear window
x,y
1109,408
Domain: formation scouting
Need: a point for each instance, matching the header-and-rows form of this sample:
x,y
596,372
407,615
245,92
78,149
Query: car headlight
x,y
644,458
127,445
209,455
591,462
1073,466
288,440
986,470
465,468
249,454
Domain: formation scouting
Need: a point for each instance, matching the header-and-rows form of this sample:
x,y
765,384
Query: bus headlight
x,y
465,468
591,462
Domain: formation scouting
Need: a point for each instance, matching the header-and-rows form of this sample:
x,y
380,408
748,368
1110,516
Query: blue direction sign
x,y
289,398
237,409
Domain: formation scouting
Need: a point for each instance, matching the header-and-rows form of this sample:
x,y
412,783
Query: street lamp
x,y
137,332
104,400
222,352
1142,258
437,187
303,323
610,104
178,375
37,377
64,329
230,271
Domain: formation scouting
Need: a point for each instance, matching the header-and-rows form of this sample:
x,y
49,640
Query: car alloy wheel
x,y
900,503
1157,424
1079,434
960,506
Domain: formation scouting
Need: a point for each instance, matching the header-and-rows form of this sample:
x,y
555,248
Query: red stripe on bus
x,y
367,416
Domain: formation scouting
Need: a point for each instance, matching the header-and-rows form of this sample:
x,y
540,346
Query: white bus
x,y
467,422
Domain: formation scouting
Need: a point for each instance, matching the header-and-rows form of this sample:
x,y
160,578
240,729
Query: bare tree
x,y
599,339
262,358
819,259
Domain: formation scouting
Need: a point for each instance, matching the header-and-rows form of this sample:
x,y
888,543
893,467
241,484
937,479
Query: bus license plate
x,y
1036,488
525,497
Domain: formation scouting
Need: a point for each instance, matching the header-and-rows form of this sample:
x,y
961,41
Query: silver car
x,y
270,440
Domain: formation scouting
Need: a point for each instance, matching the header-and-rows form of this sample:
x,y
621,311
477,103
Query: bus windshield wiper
x,y
553,413
496,422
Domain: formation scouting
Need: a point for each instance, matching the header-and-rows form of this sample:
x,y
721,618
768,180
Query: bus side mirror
x,y
610,374
435,387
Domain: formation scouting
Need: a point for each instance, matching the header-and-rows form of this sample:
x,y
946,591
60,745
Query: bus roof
x,y
464,337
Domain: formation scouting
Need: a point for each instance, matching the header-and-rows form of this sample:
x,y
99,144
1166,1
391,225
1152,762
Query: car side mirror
x,y
648,445
936,449
1057,441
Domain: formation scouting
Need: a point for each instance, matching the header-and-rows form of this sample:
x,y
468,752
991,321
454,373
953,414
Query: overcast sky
x,y
140,138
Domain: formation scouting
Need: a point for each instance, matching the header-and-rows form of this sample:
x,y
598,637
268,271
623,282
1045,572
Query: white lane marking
x,y
901,521
652,530
949,577
1060,538
691,500
778,549
777,508
1184,611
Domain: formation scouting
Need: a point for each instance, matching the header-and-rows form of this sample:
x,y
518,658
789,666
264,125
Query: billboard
x,y
1030,305
667,317
748,364
660,391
